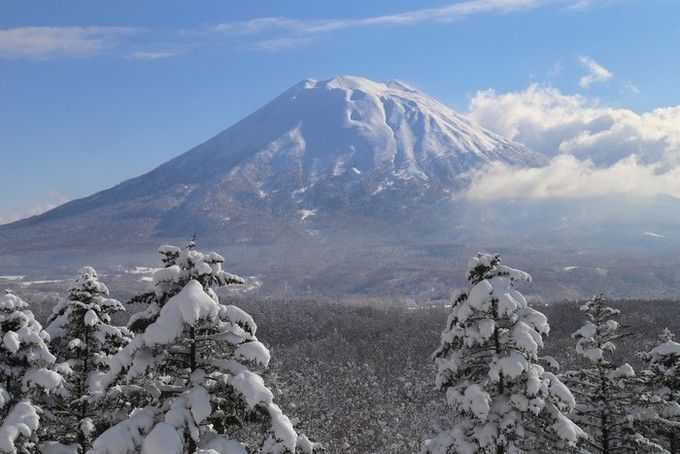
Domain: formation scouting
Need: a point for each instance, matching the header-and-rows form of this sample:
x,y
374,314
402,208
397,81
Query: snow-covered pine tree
x,y
605,388
660,393
179,267
504,401
84,338
197,359
28,375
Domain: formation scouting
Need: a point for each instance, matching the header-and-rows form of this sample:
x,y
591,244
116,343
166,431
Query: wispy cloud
x,y
254,26
152,55
259,34
596,72
290,32
49,42
54,199
277,44
556,69
630,87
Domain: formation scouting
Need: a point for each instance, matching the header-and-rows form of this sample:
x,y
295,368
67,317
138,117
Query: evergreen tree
x,y
606,389
179,267
660,396
197,362
83,337
28,375
504,401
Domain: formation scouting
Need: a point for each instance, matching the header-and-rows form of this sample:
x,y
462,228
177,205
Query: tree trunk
x,y
671,436
673,442
605,433
497,347
82,441
190,443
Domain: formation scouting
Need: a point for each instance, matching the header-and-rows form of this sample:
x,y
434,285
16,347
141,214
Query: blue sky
x,y
93,93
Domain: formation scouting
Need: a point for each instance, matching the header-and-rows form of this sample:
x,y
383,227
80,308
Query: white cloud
x,y
311,27
551,122
579,5
261,33
54,200
566,176
596,149
151,55
255,26
277,44
630,87
48,42
596,72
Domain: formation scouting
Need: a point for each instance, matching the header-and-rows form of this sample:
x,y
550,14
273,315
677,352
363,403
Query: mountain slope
x,y
322,152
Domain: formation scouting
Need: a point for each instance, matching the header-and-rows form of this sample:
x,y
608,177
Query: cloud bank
x,y
566,176
595,149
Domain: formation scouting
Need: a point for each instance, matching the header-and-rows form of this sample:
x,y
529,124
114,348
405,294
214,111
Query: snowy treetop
x,y
89,300
488,265
595,339
182,265
10,302
87,284
666,349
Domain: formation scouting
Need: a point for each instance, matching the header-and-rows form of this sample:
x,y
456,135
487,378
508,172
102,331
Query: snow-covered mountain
x,y
323,151
348,187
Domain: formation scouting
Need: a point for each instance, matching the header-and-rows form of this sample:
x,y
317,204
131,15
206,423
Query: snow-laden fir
x,y
605,387
488,364
659,396
191,371
28,375
83,337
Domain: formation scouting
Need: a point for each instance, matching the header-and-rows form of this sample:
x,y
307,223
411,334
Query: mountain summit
x,y
344,148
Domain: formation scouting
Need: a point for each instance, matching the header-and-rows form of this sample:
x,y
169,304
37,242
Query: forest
x,y
183,368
